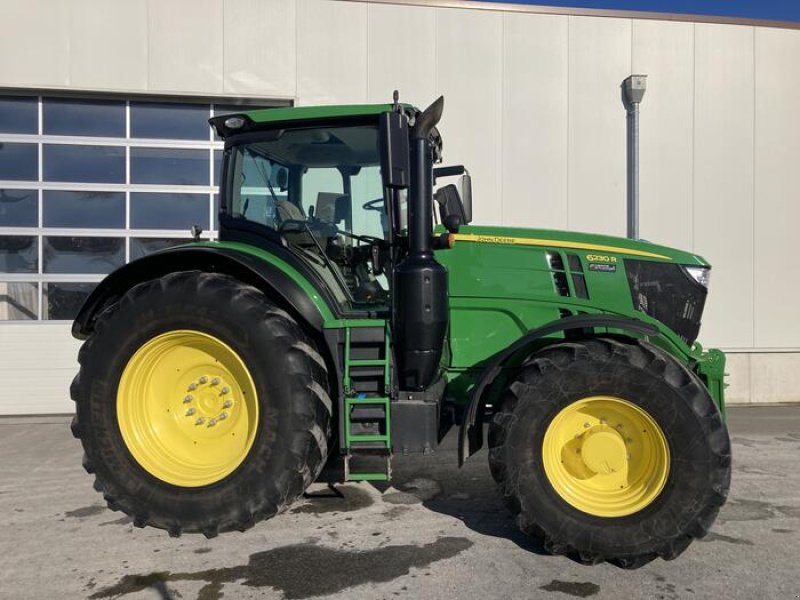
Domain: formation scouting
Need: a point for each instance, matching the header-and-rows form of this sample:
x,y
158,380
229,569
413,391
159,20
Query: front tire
x,y
201,406
610,451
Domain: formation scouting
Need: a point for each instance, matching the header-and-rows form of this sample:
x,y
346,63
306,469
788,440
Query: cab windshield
x,y
321,189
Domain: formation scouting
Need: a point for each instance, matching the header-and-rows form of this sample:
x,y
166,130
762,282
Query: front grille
x,y
665,292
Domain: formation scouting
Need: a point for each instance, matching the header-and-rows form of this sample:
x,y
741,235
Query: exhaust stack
x,y
420,306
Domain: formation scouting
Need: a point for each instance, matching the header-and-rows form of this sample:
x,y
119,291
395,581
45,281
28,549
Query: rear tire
x,y
602,386
159,482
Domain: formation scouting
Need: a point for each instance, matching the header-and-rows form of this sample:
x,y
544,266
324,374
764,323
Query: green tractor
x,y
349,313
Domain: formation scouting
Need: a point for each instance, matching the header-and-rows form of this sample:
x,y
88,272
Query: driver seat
x,y
288,211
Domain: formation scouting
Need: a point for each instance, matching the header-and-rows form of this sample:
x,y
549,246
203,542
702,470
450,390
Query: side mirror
x,y
395,153
451,210
466,197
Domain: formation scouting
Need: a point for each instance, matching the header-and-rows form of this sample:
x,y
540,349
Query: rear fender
x,y
279,285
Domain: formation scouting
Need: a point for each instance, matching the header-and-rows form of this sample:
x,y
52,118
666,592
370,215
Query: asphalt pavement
x,y
437,532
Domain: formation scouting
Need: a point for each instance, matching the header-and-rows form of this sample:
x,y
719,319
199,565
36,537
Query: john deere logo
x,y
601,258
495,239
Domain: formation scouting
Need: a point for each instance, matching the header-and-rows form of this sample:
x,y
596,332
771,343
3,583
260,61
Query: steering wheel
x,y
376,204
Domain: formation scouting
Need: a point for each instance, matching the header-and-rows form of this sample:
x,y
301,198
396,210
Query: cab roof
x,y
267,116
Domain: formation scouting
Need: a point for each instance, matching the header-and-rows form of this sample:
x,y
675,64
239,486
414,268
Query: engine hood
x,y
588,243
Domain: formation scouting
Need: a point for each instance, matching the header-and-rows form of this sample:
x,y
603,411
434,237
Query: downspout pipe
x,y
633,89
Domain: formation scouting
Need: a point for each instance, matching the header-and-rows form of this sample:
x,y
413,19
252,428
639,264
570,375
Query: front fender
x,y
280,284
470,438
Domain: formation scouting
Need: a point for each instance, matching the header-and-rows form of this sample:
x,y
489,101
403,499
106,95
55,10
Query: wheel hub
x,y
209,401
603,451
187,408
605,456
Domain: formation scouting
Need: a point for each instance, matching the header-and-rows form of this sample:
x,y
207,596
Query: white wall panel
x,y
534,117
108,44
260,48
185,46
599,59
737,366
723,179
665,53
34,45
37,364
777,187
775,377
469,67
412,70
331,52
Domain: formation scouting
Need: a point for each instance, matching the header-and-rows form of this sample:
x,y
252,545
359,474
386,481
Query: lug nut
x,y
212,422
190,412
192,387
203,379
188,399
200,421
227,404
224,390
222,416
215,381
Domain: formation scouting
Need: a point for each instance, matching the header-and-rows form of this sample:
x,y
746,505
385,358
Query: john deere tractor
x,y
349,314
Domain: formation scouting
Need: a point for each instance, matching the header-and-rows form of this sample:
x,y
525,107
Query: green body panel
x,y
501,286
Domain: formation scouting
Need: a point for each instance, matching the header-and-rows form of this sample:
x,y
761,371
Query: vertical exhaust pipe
x,y
421,308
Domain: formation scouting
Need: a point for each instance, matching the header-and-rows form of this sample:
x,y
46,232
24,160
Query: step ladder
x,y
371,408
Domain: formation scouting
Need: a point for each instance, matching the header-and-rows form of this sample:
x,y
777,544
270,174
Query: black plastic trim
x,y
470,438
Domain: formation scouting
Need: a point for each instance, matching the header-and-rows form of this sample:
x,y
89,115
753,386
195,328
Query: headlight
x,y
701,275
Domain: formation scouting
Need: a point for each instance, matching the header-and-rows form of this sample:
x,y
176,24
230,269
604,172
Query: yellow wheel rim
x,y
187,408
606,456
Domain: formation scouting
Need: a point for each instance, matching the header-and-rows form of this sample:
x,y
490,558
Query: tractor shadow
x,y
467,494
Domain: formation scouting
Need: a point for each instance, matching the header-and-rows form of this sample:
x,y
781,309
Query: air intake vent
x,y
556,264
555,261
579,283
578,280
575,263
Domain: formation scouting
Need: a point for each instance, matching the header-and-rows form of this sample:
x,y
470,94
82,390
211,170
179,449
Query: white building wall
x,y
533,108
37,364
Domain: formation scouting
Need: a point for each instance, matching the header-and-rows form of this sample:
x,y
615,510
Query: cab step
x,y
367,407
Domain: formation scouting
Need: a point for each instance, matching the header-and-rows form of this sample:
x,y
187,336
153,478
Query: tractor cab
x,y
318,189
349,199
